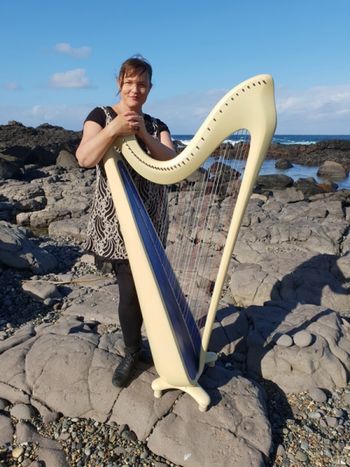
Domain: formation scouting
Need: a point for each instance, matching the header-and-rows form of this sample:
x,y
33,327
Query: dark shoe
x,y
145,356
124,371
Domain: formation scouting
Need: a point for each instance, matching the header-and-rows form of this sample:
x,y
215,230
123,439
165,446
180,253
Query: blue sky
x,y
59,59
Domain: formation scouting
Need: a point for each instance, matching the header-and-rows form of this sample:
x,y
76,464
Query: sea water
x,y
295,172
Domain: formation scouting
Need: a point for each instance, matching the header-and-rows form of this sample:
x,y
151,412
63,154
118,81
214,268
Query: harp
x,y
178,339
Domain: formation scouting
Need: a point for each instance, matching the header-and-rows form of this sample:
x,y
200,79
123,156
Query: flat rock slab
x,y
67,367
235,431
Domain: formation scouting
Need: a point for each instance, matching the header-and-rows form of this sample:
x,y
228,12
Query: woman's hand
x,y
129,123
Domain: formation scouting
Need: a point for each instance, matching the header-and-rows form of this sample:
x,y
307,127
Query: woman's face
x,y
134,90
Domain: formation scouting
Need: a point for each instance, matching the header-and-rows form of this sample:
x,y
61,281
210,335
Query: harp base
x,y
195,391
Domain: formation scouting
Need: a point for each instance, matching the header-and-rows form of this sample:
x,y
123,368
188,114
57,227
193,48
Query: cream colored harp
x,y
178,344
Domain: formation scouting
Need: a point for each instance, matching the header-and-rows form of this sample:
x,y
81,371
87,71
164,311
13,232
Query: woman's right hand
x,y
127,123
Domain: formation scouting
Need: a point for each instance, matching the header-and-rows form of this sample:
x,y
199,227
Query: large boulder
x,y
332,171
274,181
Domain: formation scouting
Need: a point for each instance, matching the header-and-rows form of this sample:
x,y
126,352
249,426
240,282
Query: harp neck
x,y
233,112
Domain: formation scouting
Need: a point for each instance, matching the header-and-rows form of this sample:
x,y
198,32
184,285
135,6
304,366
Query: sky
x,y
59,59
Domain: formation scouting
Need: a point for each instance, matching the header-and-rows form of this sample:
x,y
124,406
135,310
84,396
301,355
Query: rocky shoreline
x,y
280,389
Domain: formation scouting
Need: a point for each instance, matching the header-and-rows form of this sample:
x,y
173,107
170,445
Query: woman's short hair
x,y
135,65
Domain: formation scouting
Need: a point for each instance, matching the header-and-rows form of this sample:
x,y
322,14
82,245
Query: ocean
x,y
297,171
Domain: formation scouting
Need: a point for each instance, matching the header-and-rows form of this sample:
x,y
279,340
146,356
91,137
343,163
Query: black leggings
x,y
130,316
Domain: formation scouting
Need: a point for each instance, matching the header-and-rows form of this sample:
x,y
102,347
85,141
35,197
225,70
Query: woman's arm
x,y
162,149
96,140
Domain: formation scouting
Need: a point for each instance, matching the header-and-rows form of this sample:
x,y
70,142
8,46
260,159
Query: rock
x,y
22,411
17,251
66,160
295,369
226,172
41,290
140,399
6,430
72,228
301,456
347,398
332,421
318,395
310,187
284,340
17,452
37,145
302,339
283,164
190,441
332,170
4,404
274,181
9,167
289,195
50,451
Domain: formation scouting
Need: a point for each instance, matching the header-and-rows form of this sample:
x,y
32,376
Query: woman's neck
x,y
120,107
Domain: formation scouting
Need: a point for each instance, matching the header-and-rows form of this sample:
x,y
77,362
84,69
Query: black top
x,y
98,115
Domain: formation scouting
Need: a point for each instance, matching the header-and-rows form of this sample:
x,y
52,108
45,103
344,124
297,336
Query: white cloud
x,y
76,52
70,79
12,86
320,109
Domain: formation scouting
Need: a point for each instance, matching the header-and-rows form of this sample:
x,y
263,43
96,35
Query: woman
x,y
101,127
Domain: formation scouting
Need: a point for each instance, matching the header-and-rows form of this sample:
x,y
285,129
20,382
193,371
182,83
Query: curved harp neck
x,y
250,106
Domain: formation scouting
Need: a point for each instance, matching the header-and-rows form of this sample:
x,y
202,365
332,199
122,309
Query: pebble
x,y
17,452
314,415
303,339
308,439
284,340
317,395
332,421
301,456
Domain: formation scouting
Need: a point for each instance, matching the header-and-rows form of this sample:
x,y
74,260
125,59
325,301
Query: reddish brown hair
x,y
135,65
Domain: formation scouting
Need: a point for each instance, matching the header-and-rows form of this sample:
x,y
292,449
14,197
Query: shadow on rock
x,y
293,342
17,305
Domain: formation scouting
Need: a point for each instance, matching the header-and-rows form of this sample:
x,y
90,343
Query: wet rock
x,y
283,164
332,170
274,182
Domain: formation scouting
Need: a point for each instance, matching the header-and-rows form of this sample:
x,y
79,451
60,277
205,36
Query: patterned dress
x,y
104,238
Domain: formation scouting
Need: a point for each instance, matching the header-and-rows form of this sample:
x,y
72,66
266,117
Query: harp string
x,y
203,254
190,255
191,251
217,204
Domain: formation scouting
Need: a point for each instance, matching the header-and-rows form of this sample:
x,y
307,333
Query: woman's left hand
x,y
140,126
